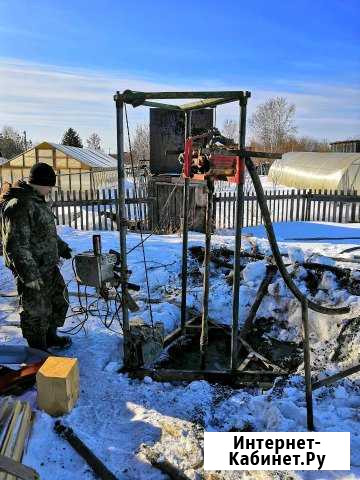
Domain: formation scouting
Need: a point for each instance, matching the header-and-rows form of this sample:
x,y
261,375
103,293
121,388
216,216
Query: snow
x,y
301,232
115,415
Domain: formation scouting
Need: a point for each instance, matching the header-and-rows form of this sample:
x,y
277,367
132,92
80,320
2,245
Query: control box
x,y
95,270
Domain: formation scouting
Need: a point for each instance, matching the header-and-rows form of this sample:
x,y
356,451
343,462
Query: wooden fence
x,y
290,206
97,210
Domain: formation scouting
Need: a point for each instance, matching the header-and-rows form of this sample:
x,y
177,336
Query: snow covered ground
x,y
115,415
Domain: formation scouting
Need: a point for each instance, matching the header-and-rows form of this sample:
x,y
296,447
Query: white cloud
x,y
47,99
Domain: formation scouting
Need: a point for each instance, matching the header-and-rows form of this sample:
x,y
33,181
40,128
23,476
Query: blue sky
x,y
61,61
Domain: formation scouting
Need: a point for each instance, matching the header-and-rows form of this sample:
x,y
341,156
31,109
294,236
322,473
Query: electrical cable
x,y
89,309
141,233
162,223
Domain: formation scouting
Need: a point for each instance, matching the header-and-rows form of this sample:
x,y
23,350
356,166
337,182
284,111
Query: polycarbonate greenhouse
x,y
76,168
317,171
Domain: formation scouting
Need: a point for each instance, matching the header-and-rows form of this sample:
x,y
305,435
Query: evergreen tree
x,y
72,138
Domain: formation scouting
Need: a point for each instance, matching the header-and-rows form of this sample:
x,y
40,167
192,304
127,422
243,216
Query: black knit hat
x,y
42,174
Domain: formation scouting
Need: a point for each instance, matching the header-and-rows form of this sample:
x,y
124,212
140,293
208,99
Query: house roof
x,y
313,170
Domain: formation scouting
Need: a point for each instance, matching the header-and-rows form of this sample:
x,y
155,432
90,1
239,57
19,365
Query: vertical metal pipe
x,y
122,223
204,338
307,366
238,227
185,231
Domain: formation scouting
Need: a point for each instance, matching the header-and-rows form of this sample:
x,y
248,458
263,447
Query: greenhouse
x,y
317,171
76,168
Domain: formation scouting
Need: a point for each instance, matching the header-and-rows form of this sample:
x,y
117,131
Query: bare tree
x,y
94,142
273,123
141,144
230,129
12,143
277,171
305,144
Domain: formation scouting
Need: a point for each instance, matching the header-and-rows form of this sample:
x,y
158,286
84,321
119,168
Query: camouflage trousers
x,y
41,310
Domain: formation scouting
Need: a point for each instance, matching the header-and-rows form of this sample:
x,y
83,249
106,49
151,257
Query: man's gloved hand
x,y
66,253
35,284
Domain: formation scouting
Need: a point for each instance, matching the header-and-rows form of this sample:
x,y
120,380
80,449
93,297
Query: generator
x,y
101,270
95,270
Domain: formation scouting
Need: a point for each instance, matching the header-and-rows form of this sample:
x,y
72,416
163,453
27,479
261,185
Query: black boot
x,y
53,340
38,342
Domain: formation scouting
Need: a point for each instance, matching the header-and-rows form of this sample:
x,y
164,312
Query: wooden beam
x,y
163,465
17,469
262,378
175,334
337,376
262,291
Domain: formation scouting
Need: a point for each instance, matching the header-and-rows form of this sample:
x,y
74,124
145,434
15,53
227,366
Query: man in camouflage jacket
x,y
31,249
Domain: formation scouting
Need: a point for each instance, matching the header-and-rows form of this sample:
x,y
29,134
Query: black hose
x,y
275,249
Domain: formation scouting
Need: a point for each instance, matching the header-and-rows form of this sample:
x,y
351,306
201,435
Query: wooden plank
x,y
6,444
337,376
323,215
303,205
62,208
247,218
318,214
86,210
117,210
105,217
81,211
111,209
257,211
262,291
228,210
17,469
75,209
329,203
292,205
298,201
156,459
68,209
92,210
21,436
263,378
341,208
334,206
252,210
97,193
308,205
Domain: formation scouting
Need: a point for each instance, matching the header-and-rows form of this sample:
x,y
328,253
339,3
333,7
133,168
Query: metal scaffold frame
x,y
234,374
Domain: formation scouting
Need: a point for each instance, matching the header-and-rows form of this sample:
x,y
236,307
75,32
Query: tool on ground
x,y
91,459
